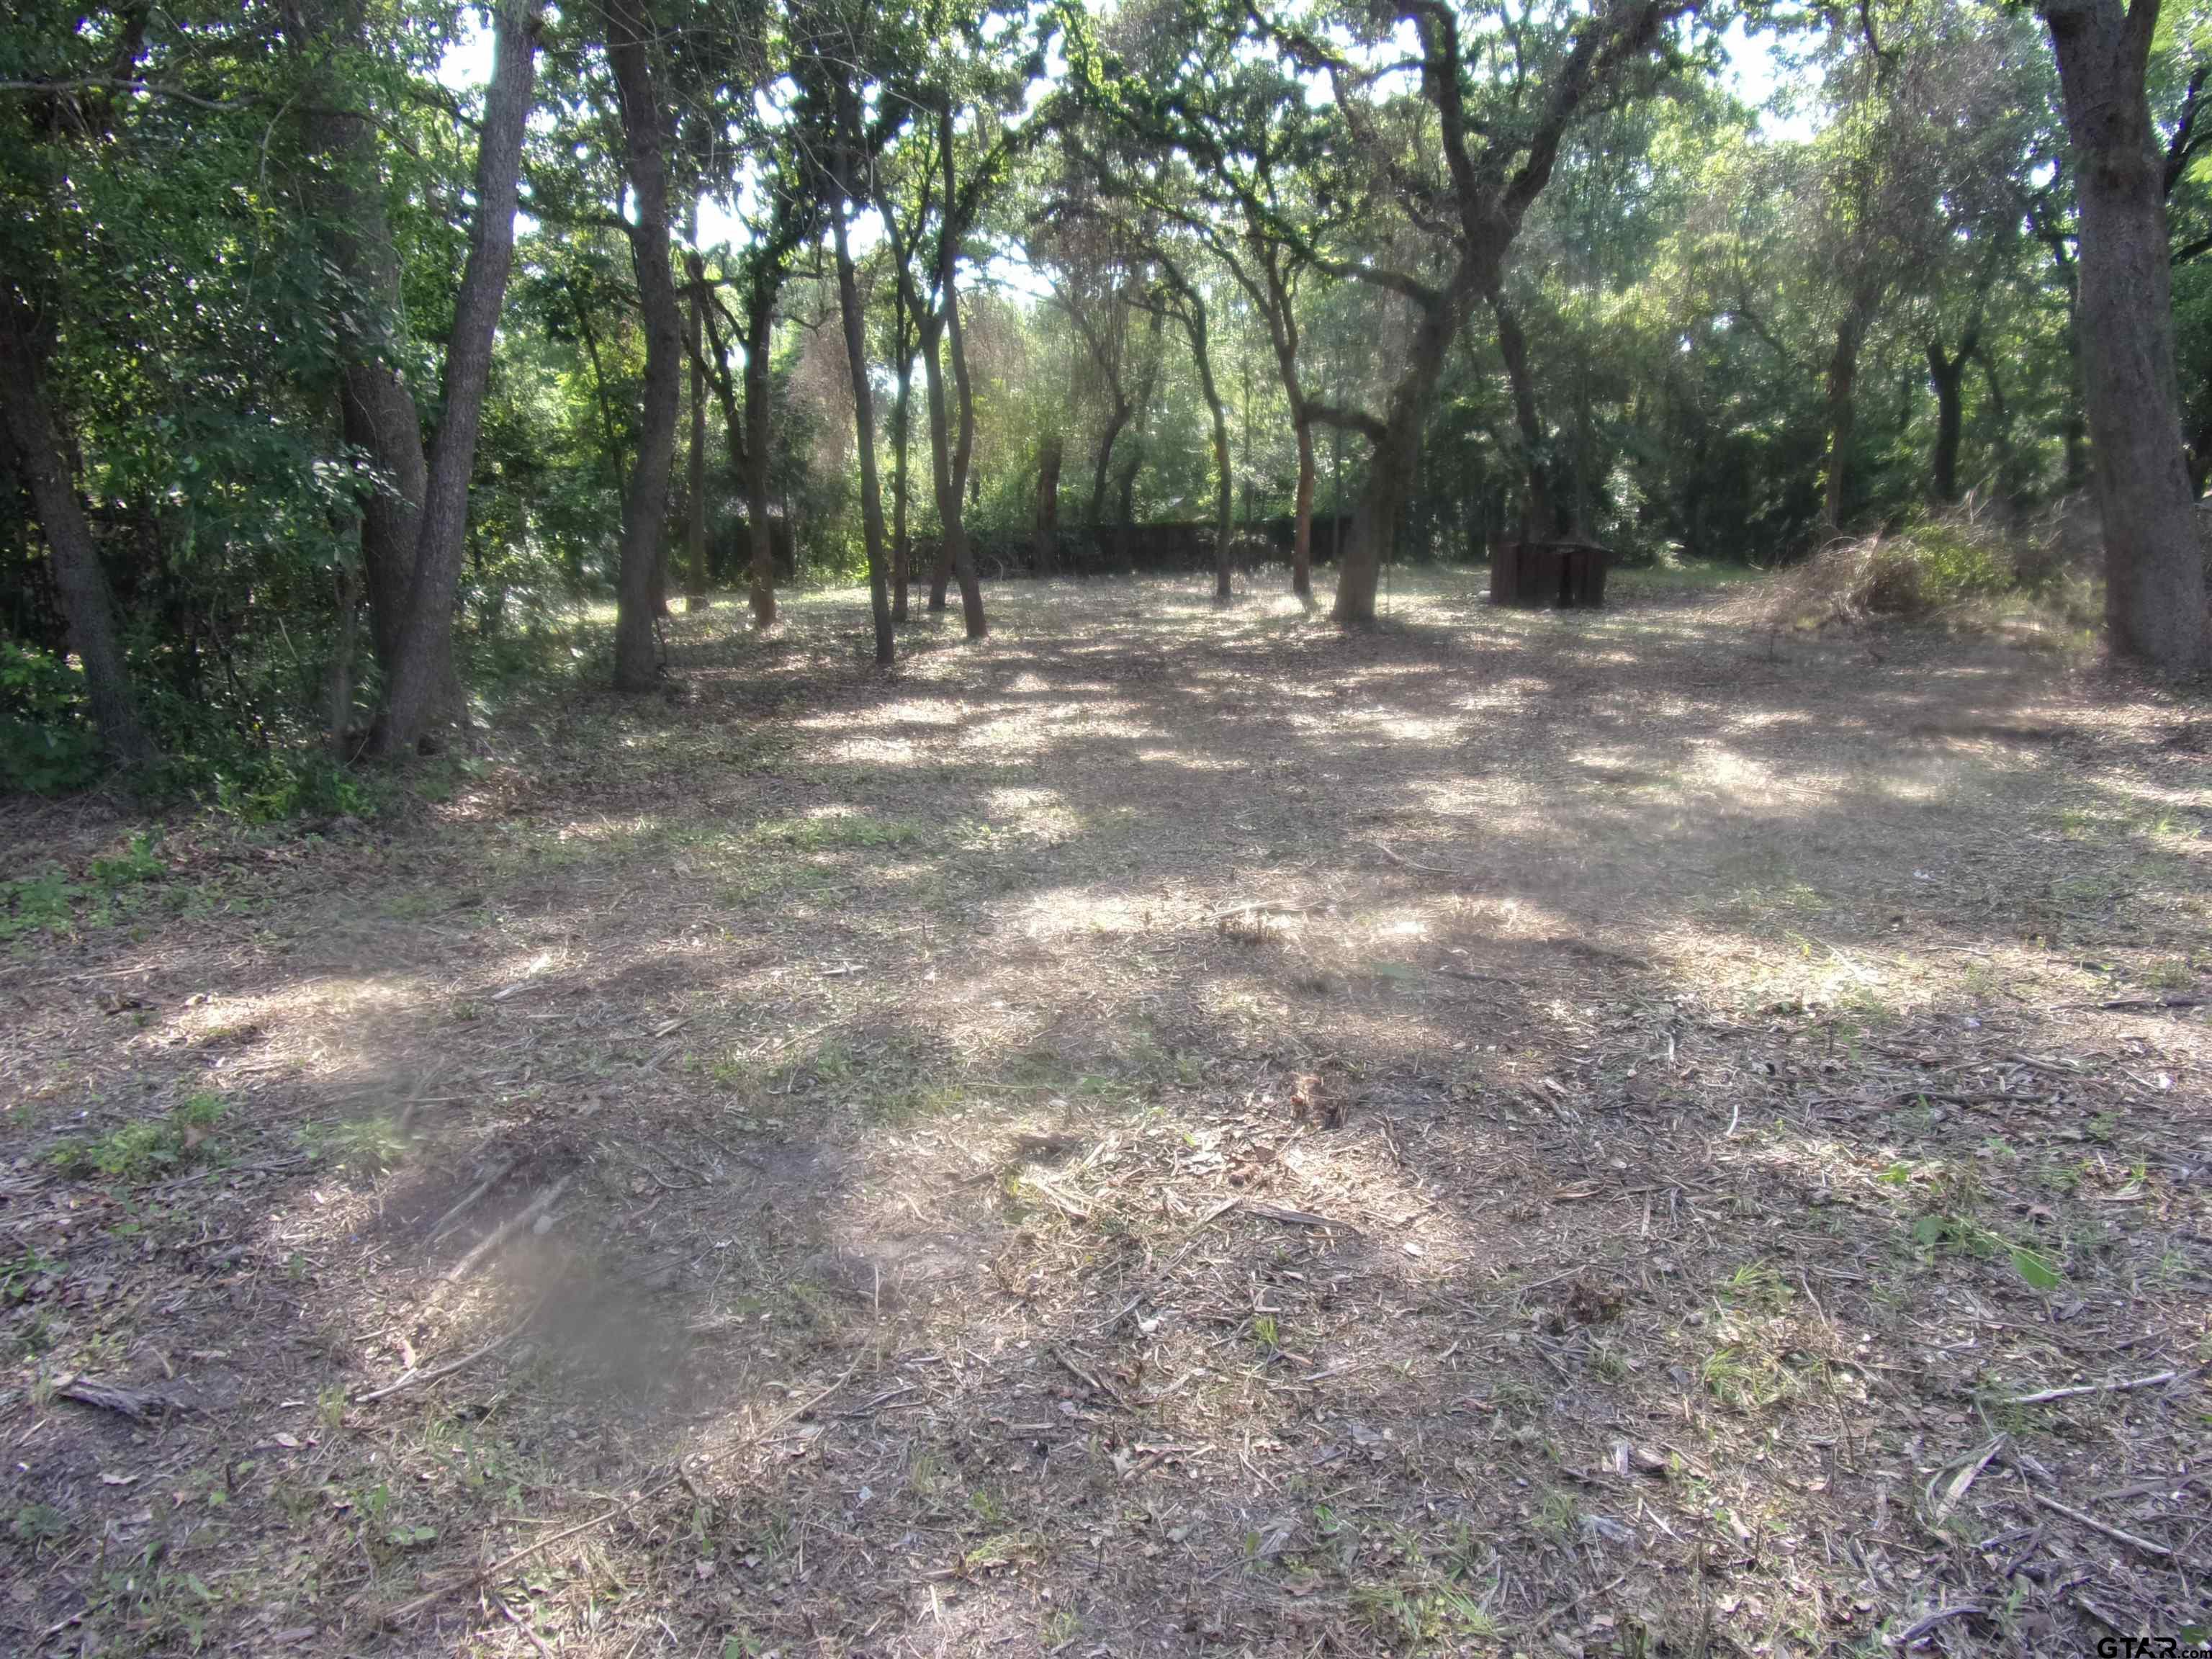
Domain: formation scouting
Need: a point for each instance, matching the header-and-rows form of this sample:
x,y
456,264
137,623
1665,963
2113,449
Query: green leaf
x,y
2035,1270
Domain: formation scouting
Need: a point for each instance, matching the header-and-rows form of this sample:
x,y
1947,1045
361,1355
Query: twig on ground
x,y
410,1379
446,1221
1920,1627
2040,1395
2106,1527
523,1625
1954,1493
1405,863
508,1228
1298,1218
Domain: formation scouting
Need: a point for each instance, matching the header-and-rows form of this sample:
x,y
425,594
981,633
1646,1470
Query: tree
x,y
1495,167
86,603
424,650
2154,593
847,142
1187,305
645,504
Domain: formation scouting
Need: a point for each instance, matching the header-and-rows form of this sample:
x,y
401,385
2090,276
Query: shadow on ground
x,y
1174,1129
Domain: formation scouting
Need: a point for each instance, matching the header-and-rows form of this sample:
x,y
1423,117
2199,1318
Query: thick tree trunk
x,y
2154,591
353,234
695,519
1946,376
760,333
87,606
1044,542
1302,527
1539,515
864,427
423,663
644,508
1397,455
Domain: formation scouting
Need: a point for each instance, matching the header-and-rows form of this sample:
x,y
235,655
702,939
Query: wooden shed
x,y
1541,576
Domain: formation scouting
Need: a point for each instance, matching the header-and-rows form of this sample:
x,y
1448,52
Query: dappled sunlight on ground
x,y
1176,1129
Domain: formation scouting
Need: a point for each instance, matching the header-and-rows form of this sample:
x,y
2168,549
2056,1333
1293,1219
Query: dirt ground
x,y
1173,1131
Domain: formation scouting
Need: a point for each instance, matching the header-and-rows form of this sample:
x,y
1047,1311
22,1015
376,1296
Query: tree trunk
x,y
958,553
2154,589
760,333
1947,375
1103,470
1397,454
1195,321
1044,545
695,520
338,681
353,234
864,421
940,456
902,427
1843,417
423,662
644,508
87,607
1302,527
1539,515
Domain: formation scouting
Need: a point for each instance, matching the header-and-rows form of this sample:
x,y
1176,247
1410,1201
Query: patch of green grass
x,y
1421,1618
2170,974
48,901
1747,1376
361,1147
37,1525
1758,1285
141,1150
843,831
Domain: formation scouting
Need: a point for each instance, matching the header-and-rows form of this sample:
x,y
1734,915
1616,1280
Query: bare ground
x,y
1170,1131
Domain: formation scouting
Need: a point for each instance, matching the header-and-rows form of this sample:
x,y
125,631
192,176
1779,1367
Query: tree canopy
x,y
351,345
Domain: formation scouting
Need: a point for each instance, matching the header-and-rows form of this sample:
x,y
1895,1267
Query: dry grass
x,y
1172,1130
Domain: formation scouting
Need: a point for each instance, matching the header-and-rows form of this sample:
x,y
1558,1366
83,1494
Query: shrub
x,y
47,744
1930,565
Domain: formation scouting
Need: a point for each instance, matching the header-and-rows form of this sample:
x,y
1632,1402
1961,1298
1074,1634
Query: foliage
x,y
1686,280
148,1147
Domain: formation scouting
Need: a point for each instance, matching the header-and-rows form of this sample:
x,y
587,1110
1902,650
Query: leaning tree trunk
x,y
695,521
2154,589
644,508
423,664
87,607
864,427
354,235
1102,470
1044,543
